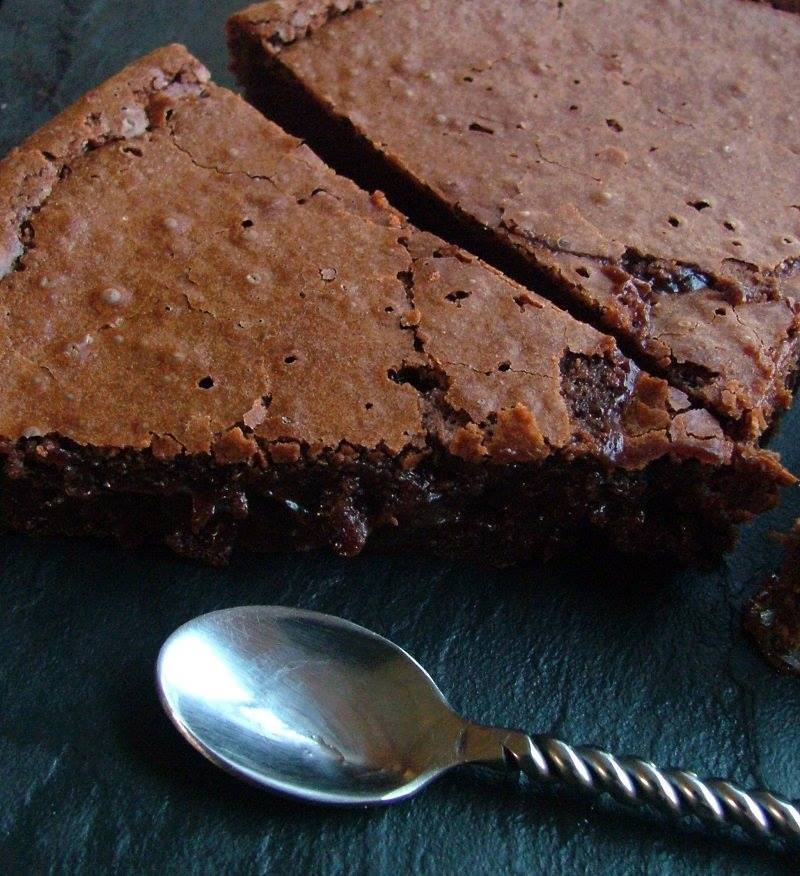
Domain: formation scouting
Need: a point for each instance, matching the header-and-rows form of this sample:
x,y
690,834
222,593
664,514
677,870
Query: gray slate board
x,y
93,778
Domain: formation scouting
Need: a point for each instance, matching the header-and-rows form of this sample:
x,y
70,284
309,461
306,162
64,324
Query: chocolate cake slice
x,y
207,337
635,160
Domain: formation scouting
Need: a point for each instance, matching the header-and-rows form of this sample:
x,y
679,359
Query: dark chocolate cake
x,y
208,337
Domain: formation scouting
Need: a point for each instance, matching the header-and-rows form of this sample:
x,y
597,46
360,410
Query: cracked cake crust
x,y
638,177
267,354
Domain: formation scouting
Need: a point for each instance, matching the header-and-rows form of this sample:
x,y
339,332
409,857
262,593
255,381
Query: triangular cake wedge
x,y
208,338
636,160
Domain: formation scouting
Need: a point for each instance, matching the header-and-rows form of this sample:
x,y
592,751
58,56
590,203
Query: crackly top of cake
x,y
180,274
659,137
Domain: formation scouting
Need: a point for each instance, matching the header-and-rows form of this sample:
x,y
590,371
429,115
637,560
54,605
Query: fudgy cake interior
x,y
208,338
644,178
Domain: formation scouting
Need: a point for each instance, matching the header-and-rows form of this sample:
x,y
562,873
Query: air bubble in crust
x,y
112,296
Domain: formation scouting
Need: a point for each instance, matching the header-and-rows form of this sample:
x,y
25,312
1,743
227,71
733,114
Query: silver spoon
x,y
319,708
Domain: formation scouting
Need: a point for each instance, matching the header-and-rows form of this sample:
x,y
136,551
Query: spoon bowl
x,y
307,704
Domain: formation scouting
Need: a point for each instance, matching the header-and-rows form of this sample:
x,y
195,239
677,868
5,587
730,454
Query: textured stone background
x,y
93,777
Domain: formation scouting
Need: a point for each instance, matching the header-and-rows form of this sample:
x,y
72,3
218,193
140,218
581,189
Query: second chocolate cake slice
x,y
638,160
208,337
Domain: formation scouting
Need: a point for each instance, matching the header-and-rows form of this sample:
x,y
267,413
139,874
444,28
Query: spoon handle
x,y
633,781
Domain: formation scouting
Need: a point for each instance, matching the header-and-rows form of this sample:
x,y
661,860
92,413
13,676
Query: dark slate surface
x,y
93,778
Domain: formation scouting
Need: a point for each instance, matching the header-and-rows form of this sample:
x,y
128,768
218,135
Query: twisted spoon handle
x,y
633,782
